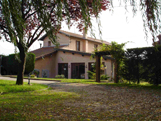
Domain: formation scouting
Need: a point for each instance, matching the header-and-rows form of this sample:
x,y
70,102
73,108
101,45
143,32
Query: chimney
x,y
84,34
40,45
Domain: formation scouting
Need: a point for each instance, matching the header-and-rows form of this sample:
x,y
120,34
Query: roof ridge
x,y
70,34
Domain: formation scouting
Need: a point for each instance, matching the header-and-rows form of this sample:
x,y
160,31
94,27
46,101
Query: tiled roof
x,y
70,34
43,51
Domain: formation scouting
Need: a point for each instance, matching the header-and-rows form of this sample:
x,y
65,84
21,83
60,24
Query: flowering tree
x,y
23,21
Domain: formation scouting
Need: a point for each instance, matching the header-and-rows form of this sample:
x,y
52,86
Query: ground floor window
x,y
45,73
78,70
63,69
91,66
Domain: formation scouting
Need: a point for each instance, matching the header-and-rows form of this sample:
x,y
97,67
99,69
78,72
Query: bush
x,y
36,72
60,76
32,76
30,63
91,75
10,64
104,77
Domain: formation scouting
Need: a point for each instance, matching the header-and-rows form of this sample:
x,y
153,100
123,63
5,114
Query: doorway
x,y
63,69
78,70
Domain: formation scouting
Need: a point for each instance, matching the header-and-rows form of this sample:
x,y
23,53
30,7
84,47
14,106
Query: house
x,y
72,57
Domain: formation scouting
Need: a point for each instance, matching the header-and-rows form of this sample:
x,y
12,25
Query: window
x,y
63,69
78,45
49,43
95,46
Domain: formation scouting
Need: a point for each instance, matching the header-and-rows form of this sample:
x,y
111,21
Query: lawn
x,y
30,102
75,101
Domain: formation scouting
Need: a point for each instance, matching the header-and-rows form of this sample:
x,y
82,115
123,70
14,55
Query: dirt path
x,y
112,103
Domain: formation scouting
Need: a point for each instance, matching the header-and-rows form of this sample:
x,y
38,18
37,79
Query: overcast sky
x,y
119,26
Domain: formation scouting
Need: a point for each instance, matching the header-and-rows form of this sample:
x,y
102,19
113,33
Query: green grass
x,y
7,86
145,85
104,82
29,102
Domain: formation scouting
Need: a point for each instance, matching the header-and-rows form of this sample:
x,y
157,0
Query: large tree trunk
x,y
21,67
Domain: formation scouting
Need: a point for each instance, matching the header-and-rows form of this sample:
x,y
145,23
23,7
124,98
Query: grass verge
x,y
29,102
145,85
7,86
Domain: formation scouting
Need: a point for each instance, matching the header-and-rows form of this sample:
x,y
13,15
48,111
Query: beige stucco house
x,y
71,58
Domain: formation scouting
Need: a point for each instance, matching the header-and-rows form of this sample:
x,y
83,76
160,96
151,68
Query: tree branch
x,y
30,15
28,11
4,29
33,34
34,39
22,10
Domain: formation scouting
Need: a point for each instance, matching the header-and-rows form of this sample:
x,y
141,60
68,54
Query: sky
x,y
120,26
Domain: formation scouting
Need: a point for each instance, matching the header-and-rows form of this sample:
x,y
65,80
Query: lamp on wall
x,y
86,66
69,66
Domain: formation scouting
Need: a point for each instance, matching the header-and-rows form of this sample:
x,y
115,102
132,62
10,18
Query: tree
x,y
132,69
143,63
117,52
23,21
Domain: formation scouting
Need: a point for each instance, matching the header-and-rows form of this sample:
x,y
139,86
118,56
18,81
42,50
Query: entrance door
x,y
78,70
63,69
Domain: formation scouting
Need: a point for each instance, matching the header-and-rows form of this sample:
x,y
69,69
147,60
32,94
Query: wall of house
x,y
70,42
77,58
91,46
62,39
47,64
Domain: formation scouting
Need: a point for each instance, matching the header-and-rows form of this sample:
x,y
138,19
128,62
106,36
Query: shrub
x,y
32,76
30,63
36,72
104,77
10,64
91,75
60,76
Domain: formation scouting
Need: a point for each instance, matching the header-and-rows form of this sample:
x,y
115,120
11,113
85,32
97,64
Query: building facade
x,y
72,57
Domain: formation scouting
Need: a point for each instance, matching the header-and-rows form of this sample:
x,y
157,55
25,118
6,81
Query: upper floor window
x,y
78,45
95,46
49,43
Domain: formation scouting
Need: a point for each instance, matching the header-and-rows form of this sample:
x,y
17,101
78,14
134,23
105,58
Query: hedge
x,y
10,64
